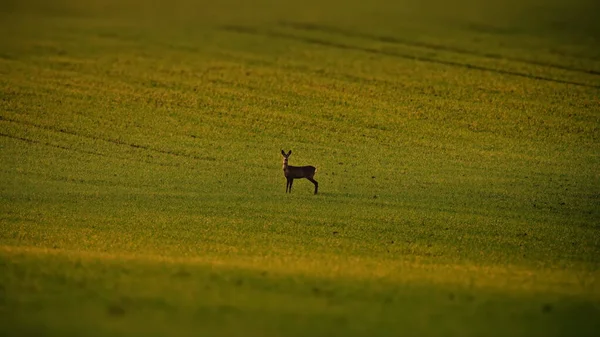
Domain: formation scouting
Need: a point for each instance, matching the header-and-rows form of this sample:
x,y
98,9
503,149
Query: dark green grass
x,y
178,298
456,146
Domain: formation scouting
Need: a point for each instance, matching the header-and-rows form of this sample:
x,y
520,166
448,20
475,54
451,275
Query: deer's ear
x,y
290,152
283,152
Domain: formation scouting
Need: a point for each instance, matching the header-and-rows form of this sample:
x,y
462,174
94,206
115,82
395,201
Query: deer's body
x,y
297,172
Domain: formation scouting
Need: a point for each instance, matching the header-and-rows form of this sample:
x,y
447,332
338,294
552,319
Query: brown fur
x,y
297,172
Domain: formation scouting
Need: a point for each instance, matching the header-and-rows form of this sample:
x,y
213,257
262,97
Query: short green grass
x,y
456,145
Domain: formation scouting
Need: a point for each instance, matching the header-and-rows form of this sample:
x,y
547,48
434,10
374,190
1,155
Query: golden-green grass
x,y
457,155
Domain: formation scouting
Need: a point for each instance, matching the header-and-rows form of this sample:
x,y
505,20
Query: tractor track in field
x,y
57,178
94,153
32,141
96,138
430,46
389,53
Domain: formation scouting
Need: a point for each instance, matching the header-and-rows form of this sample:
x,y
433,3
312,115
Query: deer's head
x,y
285,156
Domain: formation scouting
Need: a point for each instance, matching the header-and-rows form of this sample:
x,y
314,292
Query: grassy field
x,y
457,148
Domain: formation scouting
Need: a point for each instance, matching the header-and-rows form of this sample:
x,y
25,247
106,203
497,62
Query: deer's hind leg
x,y
314,182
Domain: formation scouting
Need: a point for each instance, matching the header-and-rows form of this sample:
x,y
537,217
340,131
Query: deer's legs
x,y
288,186
314,182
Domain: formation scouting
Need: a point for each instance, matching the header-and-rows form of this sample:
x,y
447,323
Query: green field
x,y
457,147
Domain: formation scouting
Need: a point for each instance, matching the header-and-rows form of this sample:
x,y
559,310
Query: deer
x,y
297,172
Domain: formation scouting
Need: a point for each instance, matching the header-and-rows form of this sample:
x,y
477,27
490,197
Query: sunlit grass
x,y
141,186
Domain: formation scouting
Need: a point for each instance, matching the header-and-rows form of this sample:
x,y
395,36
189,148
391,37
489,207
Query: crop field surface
x,y
457,147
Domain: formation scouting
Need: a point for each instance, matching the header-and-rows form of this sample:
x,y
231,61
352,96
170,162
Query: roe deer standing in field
x,y
297,172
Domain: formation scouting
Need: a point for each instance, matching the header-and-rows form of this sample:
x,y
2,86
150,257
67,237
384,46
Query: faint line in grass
x,y
31,141
114,141
425,45
50,177
310,40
